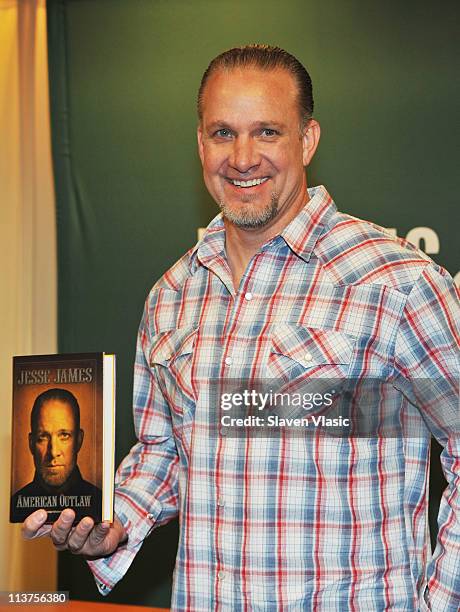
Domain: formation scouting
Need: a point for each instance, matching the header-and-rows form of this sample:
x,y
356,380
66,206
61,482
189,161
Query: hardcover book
x,y
63,447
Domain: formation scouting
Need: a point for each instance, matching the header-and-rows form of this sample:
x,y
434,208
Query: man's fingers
x,y
99,534
79,535
34,527
62,528
86,537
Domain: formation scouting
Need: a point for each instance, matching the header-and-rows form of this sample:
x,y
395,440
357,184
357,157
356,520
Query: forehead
x,y
250,92
56,414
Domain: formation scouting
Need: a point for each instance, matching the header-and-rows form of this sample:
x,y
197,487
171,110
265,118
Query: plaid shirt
x,y
296,522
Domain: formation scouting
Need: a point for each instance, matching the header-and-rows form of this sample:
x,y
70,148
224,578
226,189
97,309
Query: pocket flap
x,y
311,347
170,344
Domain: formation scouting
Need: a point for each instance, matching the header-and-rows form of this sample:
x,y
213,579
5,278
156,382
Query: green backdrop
x,y
123,81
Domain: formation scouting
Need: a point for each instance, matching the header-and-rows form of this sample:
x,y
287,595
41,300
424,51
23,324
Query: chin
x,y
54,483
248,216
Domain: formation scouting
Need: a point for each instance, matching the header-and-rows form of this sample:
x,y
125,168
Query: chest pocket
x,y
298,351
171,344
171,355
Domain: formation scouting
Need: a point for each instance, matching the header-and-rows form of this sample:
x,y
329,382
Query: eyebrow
x,y
45,431
255,125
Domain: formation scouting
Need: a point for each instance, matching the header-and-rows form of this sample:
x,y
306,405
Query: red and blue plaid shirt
x,y
315,522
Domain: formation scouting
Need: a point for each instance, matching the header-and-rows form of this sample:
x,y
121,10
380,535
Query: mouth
x,y
256,182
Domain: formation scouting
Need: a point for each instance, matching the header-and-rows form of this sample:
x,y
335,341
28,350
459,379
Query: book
x,y
63,435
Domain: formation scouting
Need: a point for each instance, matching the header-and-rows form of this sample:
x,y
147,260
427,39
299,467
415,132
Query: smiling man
x,y
253,161
255,137
285,288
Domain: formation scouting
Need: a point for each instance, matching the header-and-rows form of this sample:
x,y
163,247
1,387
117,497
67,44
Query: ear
x,y
81,435
31,443
310,140
199,135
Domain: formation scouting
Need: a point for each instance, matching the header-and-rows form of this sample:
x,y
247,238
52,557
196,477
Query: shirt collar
x,y
301,234
211,244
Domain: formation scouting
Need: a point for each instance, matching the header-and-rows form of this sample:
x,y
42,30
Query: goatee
x,y
248,217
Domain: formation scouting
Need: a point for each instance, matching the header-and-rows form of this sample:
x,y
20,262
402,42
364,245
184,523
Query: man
x,y
284,287
55,440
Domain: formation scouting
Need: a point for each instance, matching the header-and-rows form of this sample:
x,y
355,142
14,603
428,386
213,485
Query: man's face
x,y
252,147
55,443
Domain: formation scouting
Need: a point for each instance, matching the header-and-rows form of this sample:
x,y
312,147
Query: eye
x,y
223,133
268,132
64,435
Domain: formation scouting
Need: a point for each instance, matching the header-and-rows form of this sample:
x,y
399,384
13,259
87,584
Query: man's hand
x,y
85,538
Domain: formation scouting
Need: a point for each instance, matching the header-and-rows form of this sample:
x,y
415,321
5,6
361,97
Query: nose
x,y
244,154
53,447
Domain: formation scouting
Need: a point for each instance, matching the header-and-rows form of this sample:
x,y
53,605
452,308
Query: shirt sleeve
x,y
146,482
427,361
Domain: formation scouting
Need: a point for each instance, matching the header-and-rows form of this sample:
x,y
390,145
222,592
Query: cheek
x,y
69,451
39,452
210,166
291,156
213,159
283,158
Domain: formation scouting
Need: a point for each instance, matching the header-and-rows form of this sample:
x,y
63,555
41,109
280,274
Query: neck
x,y
242,244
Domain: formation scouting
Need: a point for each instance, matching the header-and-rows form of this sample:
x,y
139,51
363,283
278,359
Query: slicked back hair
x,y
61,395
263,57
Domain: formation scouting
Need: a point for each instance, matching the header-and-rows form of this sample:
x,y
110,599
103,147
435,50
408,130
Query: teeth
x,y
249,183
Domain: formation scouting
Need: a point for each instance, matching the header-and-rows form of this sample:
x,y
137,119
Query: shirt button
x,y
221,575
308,357
228,360
150,517
248,296
221,502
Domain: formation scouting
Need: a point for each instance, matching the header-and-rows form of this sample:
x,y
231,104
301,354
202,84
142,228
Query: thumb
x,y
43,531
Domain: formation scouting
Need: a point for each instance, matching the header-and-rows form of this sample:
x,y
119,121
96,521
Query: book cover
x,y
63,435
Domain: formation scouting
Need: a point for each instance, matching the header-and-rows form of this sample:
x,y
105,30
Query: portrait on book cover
x,y
57,458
